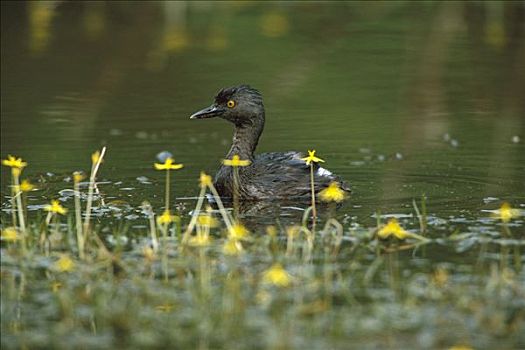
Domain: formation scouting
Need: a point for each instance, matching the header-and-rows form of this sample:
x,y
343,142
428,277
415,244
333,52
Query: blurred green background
x,y
400,98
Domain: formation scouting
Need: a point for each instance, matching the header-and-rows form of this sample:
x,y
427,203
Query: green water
x,y
401,99
357,83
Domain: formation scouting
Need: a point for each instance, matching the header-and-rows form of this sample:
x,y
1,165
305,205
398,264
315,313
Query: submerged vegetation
x,y
208,282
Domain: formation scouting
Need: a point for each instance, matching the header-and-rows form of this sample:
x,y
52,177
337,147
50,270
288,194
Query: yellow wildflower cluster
x,y
333,193
78,176
238,232
312,158
95,157
26,186
165,218
9,234
64,264
277,276
393,228
236,161
168,164
200,240
207,220
55,208
506,213
461,347
16,165
14,162
205,180
293,231
271,231
232,247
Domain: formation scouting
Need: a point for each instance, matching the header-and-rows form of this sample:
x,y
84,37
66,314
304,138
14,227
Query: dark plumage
x,y
275,175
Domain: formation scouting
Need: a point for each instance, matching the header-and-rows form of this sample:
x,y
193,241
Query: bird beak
x,y
209,112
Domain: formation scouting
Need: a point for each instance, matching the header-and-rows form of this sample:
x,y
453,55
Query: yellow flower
x,y
55,208
14,162
165,218
236,161
238,231
271,231
232,247
64,264
207,220
293,231
277,276
168,165
26,186
506,213
205,180
200,240
312,158
55,286
333,193
9,234
393,228
166,307
95,157
78,176
460,347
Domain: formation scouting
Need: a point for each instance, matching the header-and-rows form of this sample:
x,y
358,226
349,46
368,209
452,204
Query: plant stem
x,y
94,170
314,211
167,204
153,231
78,219
223,211
14,210
194,217
236,192
164,228
19,208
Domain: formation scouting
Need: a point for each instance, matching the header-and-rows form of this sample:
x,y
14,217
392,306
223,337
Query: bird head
x,y
241,105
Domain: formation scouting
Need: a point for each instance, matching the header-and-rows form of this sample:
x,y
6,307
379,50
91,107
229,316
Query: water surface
x,y
403,99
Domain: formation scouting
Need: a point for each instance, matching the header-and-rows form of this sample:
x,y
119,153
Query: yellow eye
x,y
230,104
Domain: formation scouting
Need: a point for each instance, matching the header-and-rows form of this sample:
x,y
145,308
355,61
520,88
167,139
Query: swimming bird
x,y
275,175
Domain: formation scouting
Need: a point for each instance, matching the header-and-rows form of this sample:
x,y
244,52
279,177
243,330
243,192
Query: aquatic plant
x,y
16,165
392,228
235,163
96,159
78,176
276,275
64,264
205,182
506,213
26,186
310,160
333,193
167,164
219,281
9,234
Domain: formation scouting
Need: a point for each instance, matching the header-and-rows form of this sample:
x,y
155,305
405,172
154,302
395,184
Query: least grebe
x,y
275,175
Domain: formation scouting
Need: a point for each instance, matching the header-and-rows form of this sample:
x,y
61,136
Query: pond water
x,y
402,100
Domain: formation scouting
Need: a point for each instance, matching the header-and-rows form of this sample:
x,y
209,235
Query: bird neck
x,y
245,138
